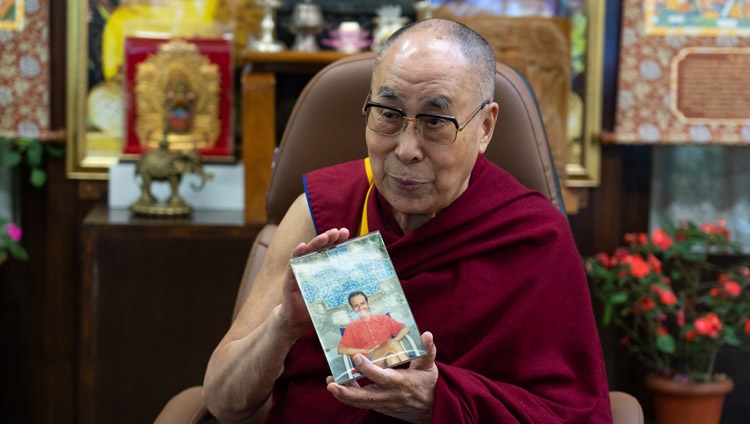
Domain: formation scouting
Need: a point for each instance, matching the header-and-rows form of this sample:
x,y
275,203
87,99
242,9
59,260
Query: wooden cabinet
x,y
157,296
259,106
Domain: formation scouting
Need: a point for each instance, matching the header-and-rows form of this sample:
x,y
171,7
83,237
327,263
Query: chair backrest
x,y
326,127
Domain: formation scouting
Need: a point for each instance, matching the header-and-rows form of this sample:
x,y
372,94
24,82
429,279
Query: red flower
x,y
690,335
662,331
681,318
620,254
647,304
661,239
667,297
655,263
708,228
638,267
708,325
747,325
733,288
636,239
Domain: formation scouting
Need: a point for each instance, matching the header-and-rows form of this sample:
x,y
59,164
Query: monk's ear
x,y
488,125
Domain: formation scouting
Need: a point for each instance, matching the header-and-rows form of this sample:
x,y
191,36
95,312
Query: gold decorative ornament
x,y
177,98
165,165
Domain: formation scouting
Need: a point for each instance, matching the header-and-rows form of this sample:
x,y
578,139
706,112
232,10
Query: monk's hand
x,y
293,310
406,394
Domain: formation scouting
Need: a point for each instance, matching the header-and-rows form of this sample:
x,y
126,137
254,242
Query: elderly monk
x,y
488,266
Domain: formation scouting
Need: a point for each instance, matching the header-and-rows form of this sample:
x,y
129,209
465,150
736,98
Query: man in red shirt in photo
x,y
376,336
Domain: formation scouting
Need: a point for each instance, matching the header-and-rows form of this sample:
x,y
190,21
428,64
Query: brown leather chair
x,y
326,127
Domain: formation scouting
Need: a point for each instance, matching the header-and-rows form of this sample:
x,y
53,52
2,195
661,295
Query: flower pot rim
x,y
667,385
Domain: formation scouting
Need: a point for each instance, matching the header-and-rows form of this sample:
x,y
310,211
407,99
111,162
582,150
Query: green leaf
x,y
38,177
665,343
55,151
11,159
607,314
730,337
618,298
18,251
34,154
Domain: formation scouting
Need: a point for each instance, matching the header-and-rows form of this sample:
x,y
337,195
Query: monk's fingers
x,y
385,377
426,362
368,397
337,236
324,240
350,383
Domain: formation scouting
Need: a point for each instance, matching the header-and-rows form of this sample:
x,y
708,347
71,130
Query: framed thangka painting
x,y
683,74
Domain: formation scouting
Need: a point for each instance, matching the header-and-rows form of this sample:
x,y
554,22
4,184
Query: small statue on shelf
x,y
164,165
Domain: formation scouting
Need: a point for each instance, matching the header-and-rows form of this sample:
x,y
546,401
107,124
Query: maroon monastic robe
x,y
497,279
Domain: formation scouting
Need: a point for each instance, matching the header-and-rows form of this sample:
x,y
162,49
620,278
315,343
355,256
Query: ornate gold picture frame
x,y
583,164
83,159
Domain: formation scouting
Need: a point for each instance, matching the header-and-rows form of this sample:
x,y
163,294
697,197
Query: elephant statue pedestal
x,y
163,165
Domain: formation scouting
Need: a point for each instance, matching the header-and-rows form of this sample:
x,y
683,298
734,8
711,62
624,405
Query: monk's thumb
x,y
428,360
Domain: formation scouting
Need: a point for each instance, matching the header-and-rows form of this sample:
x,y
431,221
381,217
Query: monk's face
x,y
424,74
360,305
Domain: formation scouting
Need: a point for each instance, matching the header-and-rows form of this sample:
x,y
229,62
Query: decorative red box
x,y
218,52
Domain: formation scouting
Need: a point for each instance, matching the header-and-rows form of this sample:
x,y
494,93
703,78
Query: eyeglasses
x,y
438,129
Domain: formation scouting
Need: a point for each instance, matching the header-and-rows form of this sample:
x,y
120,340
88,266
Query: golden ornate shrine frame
x,y
584,170
81,162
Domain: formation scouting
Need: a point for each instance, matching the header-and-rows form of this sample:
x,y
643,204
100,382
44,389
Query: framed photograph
x,y
357,305
558,46
96,88
683,73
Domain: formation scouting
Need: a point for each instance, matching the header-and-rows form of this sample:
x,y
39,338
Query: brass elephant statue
x,y
164,165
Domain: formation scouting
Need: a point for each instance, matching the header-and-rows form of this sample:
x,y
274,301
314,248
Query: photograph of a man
x,y
376,336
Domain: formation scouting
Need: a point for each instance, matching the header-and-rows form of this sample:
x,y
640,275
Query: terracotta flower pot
x,y
688,403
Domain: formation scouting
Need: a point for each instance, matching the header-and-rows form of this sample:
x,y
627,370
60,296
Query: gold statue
x,y
177,98
165,165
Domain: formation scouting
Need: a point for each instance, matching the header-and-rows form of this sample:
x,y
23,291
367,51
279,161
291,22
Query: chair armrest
x,y
186,407
625,409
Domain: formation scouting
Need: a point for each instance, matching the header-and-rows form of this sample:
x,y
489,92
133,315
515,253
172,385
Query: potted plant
x,y
679,296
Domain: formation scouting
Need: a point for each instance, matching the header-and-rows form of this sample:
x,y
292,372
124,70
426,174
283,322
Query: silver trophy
x,y
267,41
307,22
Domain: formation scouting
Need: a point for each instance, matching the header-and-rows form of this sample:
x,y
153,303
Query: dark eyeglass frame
x,y
405,119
